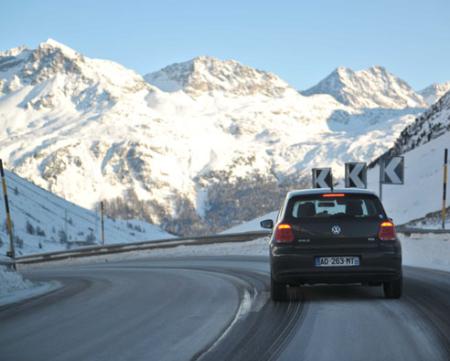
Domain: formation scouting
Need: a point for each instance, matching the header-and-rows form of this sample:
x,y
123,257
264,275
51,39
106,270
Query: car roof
x,y
303,192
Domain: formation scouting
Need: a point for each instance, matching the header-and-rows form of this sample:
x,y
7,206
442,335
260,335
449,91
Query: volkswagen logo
x,y
336,229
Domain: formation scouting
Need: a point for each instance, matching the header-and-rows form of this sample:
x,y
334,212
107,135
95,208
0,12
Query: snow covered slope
x,y
430,125
371,88
422,143
434,92
207,145
45,222
422,191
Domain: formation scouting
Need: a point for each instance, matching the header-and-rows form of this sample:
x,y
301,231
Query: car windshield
x,y
318,206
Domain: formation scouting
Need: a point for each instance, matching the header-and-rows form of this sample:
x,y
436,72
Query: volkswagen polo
x,y
326,237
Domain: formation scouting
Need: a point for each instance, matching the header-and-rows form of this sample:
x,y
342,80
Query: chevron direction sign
x,y
322,178
392,170
355,175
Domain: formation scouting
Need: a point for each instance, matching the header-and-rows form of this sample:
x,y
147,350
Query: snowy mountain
x,y
371,88
45,222
209,75
430,125
422,192
208,144
434,92
422,143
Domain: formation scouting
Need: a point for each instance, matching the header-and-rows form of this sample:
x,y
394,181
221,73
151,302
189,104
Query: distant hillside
x,y
45,222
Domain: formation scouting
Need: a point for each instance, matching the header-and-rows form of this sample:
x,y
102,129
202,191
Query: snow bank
x,y
14,288
425,250
258,247
428,251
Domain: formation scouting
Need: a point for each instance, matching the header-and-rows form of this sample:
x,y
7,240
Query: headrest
x,y
354,208
307,209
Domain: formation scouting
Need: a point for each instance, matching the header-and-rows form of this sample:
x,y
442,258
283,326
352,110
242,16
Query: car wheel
x,y
393,289
278,291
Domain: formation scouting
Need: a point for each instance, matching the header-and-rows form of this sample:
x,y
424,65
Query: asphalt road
x,y
218,308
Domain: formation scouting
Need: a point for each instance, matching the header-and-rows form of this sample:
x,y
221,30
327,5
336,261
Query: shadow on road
x,y
335,293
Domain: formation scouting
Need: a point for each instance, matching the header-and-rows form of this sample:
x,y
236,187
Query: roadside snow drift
x,y
14,288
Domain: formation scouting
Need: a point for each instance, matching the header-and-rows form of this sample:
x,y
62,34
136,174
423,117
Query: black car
x,y
340,236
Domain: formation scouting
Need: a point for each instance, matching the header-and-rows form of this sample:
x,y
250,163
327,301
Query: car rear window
x,y
349,205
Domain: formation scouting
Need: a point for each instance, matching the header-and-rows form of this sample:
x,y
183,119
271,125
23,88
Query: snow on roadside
x,y
257,247
14,288
427,251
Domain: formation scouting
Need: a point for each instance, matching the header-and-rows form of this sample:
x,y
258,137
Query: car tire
x,y
278,291
393,289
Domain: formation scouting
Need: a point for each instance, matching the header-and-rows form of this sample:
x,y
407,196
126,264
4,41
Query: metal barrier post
x,y
444,191
12,251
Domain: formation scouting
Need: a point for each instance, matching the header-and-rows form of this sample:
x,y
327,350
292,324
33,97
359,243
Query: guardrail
x,y
169,243
136,246
410,230
7,262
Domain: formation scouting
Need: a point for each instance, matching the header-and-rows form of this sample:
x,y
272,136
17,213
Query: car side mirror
x,y
267,223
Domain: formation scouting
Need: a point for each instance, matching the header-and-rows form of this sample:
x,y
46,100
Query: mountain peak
x,y
341,70
434,92
53,44
370,88
61,75
14,51
378,68
206,74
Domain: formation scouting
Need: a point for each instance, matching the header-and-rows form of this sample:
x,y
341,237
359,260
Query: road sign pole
x,y
12,251
444,191
380,192
102,212
331,182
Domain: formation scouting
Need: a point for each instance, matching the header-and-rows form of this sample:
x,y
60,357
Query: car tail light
x,y
387,231
333,195
284,233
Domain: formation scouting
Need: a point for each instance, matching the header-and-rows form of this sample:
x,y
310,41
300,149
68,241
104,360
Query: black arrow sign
x,y
392,170
322,178
355,175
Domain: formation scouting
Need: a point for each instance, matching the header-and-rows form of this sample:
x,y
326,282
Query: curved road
x,y
217,308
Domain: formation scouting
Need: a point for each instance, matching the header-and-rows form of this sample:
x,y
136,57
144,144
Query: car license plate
x,y
337,261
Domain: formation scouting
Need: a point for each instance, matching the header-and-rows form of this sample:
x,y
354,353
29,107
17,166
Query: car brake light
x,y
333,195
387,231
284,233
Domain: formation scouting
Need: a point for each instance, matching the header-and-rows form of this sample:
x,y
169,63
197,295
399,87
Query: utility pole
x,y
102,211
444,191
12,251
65,224
380,192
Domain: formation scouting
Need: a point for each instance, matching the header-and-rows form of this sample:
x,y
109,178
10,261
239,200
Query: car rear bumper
x,y
376,265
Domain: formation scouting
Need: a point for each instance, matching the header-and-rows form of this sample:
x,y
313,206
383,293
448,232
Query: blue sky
x,y
301,41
